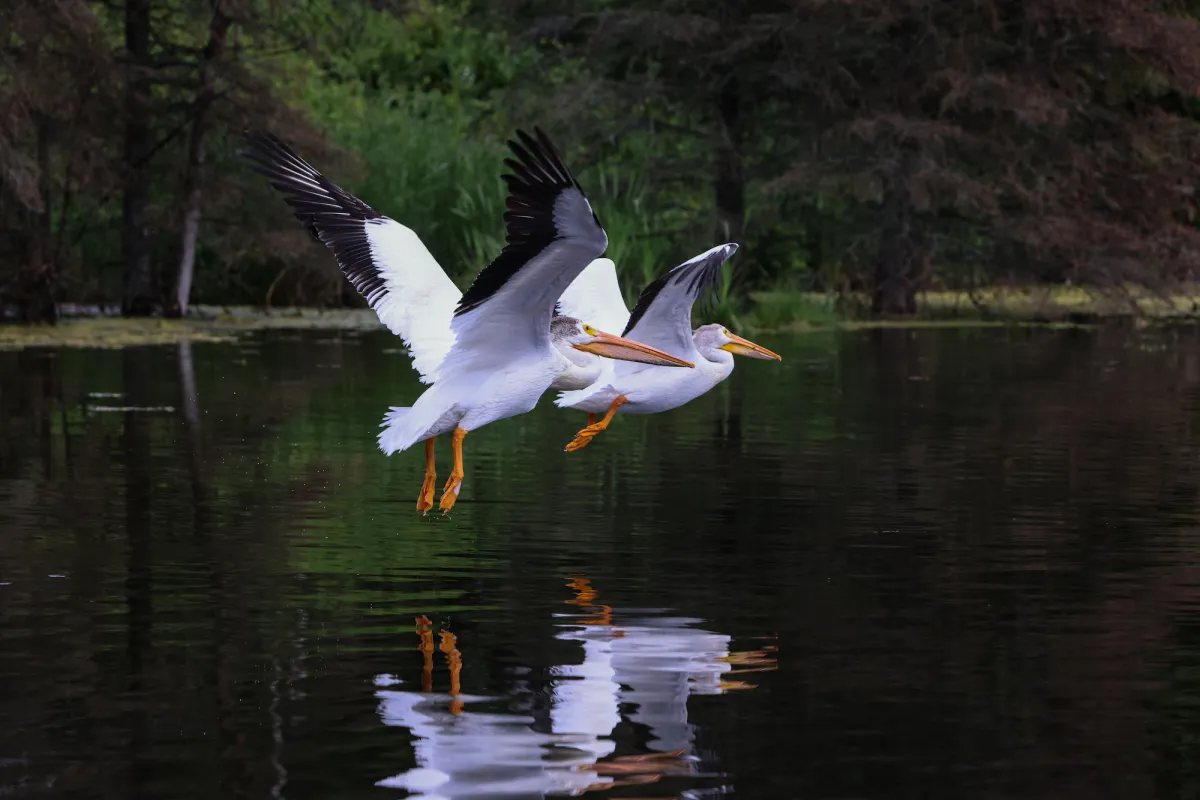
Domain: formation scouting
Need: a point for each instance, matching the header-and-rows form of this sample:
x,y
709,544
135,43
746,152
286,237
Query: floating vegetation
x,y
1054,306
110,333
206,324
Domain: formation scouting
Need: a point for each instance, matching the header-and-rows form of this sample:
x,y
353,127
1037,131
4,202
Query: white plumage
x,y
417,299
661,319
596,296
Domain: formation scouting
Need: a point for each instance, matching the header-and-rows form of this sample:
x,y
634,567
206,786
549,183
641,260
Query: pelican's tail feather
x,y
393,438
405,426
595,399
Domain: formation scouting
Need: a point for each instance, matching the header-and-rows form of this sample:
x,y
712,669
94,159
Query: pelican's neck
x,y
573,356
714,355
578,369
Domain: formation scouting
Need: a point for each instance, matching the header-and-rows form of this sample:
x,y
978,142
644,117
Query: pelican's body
x,y
649,393
491,352
661,319
479,393
445,405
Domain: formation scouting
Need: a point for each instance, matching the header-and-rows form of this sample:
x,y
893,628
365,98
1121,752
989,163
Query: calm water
x,y
934,564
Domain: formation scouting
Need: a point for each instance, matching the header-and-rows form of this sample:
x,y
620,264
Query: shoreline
x,y
203,324
82,326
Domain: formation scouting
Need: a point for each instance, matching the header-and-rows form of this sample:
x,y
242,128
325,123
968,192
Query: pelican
x,y
489,353
662,318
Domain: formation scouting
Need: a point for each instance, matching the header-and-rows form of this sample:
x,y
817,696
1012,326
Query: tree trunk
x,y
730,184
217,32
894,290
136,297
36,293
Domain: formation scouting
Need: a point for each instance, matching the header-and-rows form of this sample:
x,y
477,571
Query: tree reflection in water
x,y
640,670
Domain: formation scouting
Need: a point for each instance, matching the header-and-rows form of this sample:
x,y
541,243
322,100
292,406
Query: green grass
x,y
789,310
796,310
1058,303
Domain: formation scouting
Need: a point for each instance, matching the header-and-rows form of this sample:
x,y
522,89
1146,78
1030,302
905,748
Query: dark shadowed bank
x,y
884,150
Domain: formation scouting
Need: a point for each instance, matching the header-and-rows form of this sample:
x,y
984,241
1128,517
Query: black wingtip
x,y
702,274
259,143
331,215
537,176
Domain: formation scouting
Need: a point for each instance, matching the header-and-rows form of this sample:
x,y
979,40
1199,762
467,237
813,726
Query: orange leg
x,y
454,661
454,484
586,435
423,623
425,499
591,419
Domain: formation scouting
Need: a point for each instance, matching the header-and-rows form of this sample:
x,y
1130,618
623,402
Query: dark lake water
x,y
927,564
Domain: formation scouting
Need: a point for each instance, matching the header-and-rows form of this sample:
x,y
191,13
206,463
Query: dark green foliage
x,y
880,146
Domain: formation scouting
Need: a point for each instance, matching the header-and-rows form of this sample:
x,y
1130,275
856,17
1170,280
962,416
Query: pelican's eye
x,y
589,330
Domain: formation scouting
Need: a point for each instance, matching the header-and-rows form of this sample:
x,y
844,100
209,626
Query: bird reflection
x,y
653,662
641,670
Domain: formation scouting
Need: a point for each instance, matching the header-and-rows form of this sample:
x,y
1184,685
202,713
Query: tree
x,y
67,158
1041,141
1046,140
205,95
54,73
136,296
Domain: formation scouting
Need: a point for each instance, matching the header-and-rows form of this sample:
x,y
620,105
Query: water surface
x,y
930,564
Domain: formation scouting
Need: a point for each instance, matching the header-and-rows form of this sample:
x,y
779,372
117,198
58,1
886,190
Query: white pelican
x,y
662,318
489,353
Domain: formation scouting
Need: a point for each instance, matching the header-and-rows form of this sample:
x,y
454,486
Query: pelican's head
x,y
568,332
710,339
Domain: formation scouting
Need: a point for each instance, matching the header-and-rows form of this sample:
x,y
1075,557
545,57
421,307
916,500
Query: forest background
x,y
871,151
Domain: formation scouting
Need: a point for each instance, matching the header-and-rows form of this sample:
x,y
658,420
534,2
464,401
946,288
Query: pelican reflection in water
x,y
649,665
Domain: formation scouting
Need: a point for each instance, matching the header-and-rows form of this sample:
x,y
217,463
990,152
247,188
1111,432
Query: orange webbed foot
x,y
454,484
450,492
584,437
425,499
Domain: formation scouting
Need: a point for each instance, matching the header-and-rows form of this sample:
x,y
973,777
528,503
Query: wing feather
x,y
386,262
552,235
595,297
662,317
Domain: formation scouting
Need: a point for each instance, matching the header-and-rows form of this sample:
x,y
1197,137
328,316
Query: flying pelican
x,y
662,318
489,353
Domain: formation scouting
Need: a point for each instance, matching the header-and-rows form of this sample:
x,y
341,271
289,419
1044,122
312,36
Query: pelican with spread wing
x,y
662,319
489,353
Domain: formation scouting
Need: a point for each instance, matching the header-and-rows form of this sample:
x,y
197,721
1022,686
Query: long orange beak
x,y
622,349
744,347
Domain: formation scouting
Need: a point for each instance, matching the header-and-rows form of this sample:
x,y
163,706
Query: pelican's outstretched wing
x,y
385,261
595,297
662,317
553,235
